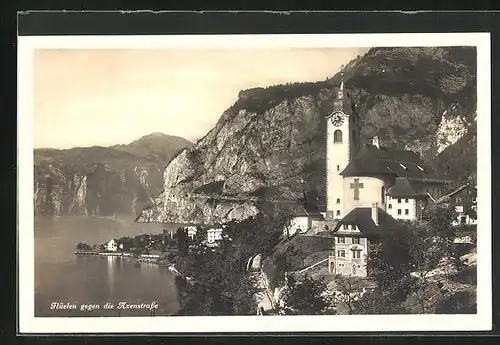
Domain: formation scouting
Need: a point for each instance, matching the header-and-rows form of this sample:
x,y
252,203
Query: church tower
x,y
342,143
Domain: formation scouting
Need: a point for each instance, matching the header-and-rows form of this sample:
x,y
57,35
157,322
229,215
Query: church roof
x,y
362,217
373,160
404,189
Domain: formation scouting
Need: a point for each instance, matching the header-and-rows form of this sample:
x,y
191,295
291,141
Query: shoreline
x,y
154,259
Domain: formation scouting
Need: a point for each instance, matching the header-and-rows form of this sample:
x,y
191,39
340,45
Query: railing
x,y
312,266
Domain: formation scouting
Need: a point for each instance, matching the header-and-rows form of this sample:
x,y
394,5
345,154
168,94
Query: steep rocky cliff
x,y
270,145
103,181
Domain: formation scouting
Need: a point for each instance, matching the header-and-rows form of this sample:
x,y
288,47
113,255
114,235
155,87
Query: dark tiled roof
x,y
458,190
302,211
404,189
372,160
362,217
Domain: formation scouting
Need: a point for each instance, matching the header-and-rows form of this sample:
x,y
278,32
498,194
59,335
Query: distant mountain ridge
x,y
118,179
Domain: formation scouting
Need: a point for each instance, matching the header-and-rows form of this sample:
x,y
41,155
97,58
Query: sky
x,y
107,97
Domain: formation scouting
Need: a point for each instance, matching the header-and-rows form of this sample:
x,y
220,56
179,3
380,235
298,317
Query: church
x,y
368,188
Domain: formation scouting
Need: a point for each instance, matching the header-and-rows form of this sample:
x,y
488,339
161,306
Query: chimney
x,y
375,142
375,213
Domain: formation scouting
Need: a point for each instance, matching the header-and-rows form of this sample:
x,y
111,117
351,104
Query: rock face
x,y
270,145
103,181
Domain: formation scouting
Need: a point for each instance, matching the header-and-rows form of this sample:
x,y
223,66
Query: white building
x,y
112,246
302,221
214,235
191,232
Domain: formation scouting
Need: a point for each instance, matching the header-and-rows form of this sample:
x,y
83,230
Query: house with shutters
x,y
368,187
464,200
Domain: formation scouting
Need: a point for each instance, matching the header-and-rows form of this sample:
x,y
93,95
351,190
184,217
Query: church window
x,y
407,212
406,201
340,240
337,136
399,201
338,213
338,201
399,211
355,240
390,206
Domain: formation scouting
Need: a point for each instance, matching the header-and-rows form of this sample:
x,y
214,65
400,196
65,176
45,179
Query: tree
x,y
127,242
462,302
439,222
377,301
221,286
183,241
201,235
402,264
221,283
305,297
348,291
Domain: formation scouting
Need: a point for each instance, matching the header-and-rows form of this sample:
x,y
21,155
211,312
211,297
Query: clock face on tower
x,y
337,119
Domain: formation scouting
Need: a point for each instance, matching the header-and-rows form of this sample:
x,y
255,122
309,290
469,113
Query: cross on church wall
x,y
356,186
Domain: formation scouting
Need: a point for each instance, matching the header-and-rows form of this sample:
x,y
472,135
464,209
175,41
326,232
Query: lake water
x,y
63,277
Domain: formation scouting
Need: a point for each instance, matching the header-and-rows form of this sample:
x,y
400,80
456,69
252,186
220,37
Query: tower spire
x,y
341,91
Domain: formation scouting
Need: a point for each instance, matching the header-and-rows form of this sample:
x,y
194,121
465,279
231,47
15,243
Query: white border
x,y
29,324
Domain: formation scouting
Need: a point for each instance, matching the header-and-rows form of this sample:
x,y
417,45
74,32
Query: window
x,y
355,240
459,199
390,206
399,201
462,220
403,166
338,167
406,201
341,253
356,254
420,168
338,213
346,226
407,212
340,240
399,211
338,201
337,136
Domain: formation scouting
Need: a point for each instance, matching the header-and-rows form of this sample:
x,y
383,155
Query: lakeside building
x,y
112,246
214,234
191,232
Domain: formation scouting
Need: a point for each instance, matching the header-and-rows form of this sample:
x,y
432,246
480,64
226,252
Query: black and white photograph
x,y
228,182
